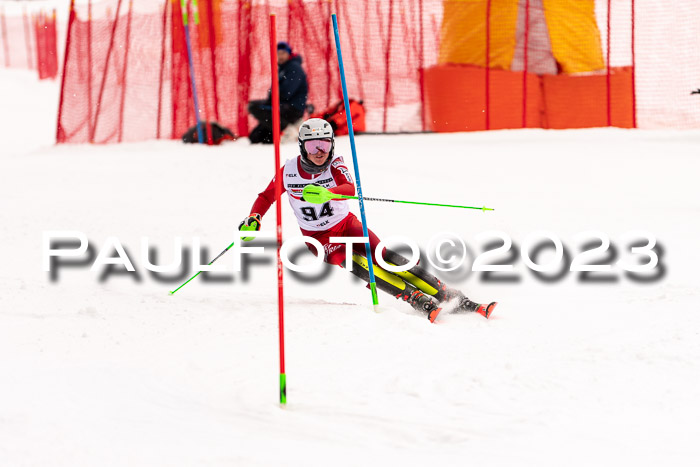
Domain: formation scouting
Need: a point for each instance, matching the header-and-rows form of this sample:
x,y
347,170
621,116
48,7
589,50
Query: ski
x,y
486,310
434,314
483,309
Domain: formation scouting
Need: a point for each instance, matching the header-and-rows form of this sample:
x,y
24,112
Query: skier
x,y
318,165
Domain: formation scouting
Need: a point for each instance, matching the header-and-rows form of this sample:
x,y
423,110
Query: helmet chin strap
x,y
312,168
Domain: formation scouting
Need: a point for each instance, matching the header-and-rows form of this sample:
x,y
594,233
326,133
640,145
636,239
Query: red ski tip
x,y
486,310
433,314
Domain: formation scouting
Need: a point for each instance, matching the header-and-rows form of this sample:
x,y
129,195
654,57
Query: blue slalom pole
x,y
348,117
185,21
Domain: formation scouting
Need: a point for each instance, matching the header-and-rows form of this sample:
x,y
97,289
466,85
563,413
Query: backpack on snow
x,y
335,115
219,133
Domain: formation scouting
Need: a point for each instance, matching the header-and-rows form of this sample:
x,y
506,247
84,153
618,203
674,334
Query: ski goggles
x,y
318,145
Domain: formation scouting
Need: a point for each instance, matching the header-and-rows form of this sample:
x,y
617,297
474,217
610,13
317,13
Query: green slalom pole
x,y
227,248
319,195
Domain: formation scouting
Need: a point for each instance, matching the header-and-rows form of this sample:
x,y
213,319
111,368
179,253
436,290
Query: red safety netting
x,y
17,44
381,71
147,91
127,76
28,38
46,47
114,76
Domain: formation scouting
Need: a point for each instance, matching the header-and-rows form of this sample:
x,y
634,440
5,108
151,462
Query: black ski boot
x,y
420,301
466,305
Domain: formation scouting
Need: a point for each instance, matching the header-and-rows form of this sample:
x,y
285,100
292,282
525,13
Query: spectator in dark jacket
x,y
293,93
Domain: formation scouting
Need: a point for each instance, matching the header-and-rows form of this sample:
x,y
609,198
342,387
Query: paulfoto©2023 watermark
x,y
636,254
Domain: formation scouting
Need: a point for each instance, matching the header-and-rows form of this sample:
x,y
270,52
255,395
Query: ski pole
x,y
227,248
319,195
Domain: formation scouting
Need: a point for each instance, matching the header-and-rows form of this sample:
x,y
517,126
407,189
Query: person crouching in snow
x,y
318,165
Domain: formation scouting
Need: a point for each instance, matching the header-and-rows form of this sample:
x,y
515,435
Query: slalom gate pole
x,y
368,248
185,21
274,86
206,128
60,133
212,261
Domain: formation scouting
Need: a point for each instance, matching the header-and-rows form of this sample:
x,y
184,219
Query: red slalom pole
x,y
274,85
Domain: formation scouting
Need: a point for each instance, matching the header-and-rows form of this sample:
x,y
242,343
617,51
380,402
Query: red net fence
x,y
44,25
417,65
18,48
28,38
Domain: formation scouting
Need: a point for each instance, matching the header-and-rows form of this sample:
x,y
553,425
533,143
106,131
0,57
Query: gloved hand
x,y
251,222
313,186
317,194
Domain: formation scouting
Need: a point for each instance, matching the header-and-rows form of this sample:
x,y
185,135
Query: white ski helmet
x,y
311,129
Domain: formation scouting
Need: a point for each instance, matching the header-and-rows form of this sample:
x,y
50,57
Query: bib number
x,y
310,213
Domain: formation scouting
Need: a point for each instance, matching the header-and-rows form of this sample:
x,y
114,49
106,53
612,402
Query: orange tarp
x,y
463,32
572,27
574,35
456,92
581,101
456,99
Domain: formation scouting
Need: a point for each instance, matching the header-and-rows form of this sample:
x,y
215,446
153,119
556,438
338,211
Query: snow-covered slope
x,y
570,372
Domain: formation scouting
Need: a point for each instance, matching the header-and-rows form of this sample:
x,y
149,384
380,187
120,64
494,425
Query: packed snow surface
x,y
105,368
